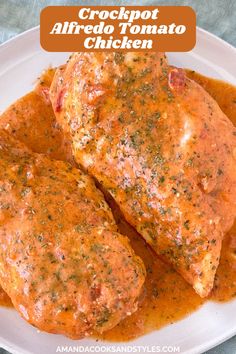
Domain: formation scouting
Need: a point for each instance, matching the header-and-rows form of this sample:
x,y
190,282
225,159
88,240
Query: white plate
x,y
21,62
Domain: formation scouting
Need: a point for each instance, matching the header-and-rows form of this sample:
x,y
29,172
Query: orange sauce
x,y
4,299
223,93
166,297
31,120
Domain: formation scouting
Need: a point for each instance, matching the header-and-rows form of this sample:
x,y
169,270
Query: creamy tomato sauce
x,y
32,121
166,297
222,92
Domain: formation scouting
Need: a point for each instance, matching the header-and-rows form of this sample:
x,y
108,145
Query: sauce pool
x,y
166,297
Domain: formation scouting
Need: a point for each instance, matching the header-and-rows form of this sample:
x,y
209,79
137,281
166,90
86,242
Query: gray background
x,y
216,16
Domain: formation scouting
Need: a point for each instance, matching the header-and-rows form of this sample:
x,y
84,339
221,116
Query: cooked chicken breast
x,y
161,146
62,262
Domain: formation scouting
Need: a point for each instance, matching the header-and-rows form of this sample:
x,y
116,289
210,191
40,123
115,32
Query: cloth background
x,y
216,16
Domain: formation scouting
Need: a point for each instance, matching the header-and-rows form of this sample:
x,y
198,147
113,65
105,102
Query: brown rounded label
x,y
122,28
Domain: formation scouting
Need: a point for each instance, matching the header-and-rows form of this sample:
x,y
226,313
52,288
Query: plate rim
x,y
15,349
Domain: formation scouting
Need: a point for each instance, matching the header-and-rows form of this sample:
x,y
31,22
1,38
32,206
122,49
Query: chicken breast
x,y
161,146
62,262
